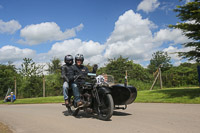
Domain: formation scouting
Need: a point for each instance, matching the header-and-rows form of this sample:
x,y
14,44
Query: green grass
x,y
170,95
52,99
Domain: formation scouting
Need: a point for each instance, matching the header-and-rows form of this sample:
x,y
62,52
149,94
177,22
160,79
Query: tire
x,y
107,106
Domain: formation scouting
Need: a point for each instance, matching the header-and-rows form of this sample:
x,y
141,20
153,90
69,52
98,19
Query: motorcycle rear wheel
x,y
106,108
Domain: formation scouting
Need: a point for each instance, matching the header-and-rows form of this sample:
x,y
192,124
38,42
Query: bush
x,y
54,84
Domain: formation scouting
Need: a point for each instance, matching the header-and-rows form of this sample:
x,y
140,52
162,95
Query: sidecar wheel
x,y
107,106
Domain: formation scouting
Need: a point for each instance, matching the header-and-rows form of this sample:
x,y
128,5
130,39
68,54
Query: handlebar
x,y
91,74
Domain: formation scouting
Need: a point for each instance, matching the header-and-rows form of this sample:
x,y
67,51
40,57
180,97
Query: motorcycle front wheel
x,y
106,107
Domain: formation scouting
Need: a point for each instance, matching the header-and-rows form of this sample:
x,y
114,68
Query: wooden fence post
x,y
160,78
126,77
154,81
43,86
15,87
158,72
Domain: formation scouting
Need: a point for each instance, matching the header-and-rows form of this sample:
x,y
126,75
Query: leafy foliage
x,y
31,82
53,84
7,75
183,75
190,15
159,58
29,68
54,66
118,67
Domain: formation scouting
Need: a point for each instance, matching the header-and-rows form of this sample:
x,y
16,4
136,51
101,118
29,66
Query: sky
x,y
98,29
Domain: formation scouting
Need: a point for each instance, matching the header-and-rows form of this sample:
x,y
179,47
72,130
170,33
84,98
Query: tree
x,y
118,67
190,15
54,66
53,80
183,75
32,79
29,68
159,58
7,75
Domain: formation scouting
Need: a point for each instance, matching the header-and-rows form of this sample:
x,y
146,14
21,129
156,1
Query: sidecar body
x,y
123,95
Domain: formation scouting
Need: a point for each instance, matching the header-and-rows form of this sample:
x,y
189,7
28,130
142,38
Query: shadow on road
x,y
82,114
117,113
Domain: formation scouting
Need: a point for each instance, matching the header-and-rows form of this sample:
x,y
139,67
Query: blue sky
x,y
98,29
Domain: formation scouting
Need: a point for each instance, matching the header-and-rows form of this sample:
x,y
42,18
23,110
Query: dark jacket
x,y
68,73
80,70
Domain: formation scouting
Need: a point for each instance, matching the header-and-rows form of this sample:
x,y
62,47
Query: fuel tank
x,y
123,95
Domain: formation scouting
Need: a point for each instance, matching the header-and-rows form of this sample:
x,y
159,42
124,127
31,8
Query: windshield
x,y
109,79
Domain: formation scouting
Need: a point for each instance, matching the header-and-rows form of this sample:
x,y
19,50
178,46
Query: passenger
x,y
68,76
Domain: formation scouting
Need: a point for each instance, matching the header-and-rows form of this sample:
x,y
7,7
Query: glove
x,y
78,76
95,67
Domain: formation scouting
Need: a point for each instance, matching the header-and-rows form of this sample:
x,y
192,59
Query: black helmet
x,y
79,57
69,59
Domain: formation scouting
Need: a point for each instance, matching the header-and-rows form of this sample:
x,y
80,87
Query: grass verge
x,y
170,95
52,99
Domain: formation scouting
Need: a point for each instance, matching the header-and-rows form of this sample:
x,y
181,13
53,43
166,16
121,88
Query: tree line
x,y
30,76
30,79
142,78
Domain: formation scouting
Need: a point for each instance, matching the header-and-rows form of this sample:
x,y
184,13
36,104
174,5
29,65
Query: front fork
x,y
96,95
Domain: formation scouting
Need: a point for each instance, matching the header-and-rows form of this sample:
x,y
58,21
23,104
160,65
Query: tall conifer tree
x,y
189,14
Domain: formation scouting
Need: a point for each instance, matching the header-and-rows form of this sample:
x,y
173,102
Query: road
x,y
137,118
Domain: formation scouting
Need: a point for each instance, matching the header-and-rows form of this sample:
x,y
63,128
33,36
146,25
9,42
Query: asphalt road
x,y
137,118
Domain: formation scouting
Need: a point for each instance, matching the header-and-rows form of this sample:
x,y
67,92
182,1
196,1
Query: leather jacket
x,y
67,73
81,71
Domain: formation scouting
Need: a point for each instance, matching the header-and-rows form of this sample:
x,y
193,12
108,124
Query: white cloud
x,y
12,53
174,35
43,32
131,37
9,27
92,51
186,1
172,51
148,5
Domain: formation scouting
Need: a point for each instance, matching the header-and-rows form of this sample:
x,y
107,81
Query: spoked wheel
x,y
107,106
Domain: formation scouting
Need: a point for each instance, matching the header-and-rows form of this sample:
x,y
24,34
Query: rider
x,y
80,71
79,68
68,76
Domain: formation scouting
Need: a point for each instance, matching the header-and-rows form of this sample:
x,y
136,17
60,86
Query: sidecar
x,y
123,95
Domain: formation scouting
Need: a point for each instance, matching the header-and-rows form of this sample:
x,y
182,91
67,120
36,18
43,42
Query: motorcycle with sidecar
x,y
101,96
